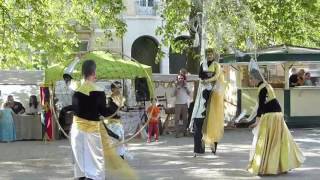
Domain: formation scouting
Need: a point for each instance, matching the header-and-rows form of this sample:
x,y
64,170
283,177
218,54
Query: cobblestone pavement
x,y
170,158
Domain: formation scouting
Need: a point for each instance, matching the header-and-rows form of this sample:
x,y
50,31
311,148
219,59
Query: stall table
x,y
28,127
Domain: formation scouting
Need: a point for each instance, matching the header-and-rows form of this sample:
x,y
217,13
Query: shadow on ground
x,y
171,158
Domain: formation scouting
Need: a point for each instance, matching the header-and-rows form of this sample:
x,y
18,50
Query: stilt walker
x,y
208,113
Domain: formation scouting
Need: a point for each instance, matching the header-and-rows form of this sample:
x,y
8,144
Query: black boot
x,y
214,148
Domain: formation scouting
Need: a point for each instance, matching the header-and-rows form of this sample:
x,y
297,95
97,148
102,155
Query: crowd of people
x,y
300,78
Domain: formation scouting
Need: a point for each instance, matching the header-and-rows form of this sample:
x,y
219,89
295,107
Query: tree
x,y
37,33
292,22
246,24
175,14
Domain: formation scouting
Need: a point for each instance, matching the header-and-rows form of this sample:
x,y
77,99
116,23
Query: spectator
x,y
7,128
17,107
307,81
293,79
184,73
34,107
182,94
301,77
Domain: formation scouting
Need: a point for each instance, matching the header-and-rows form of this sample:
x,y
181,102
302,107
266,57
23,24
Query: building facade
x,y
140,41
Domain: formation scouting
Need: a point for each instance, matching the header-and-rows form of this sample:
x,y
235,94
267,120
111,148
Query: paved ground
x,y
171,158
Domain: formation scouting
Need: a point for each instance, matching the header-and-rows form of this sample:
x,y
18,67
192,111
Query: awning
x,y
274,54
109,66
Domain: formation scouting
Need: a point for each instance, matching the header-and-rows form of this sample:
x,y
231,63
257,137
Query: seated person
x,y
301,77
307,81
293,79
17,107
33,107
7,127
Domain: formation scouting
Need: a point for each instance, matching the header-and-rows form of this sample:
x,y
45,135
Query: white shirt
x,y
182,96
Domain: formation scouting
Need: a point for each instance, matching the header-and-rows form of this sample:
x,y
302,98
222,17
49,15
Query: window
x,y
83,46
150,3
146,3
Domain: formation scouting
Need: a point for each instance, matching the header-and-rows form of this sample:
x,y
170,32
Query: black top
x,y
17,107
113,107
293,80
204,74
90,107
264,106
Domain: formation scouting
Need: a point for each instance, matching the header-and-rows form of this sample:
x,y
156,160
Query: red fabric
x,y
153,127
45,102
49,124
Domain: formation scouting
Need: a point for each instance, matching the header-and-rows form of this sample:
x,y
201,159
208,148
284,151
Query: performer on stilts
x,y
273,148
95,157
207,119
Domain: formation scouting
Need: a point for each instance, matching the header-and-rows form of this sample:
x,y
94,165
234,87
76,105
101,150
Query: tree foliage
x,y
37,33
246,24
292,22
176,21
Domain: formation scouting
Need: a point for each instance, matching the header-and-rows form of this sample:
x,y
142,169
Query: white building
x,y
140,41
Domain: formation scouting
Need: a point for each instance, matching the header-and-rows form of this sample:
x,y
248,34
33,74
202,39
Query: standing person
x,y
66,103
93,154
7,127
273,149
33,107
182,94
183,72
208,112
17,107
153,126
115,103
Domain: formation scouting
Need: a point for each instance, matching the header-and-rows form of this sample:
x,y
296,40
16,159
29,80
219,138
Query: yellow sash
x,y
113,163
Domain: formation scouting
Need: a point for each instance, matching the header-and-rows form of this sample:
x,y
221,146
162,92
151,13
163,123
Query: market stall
x,y
110,67
21,84
300,103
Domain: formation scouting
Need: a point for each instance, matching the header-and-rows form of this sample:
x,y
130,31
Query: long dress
x,y
7,127
208,114
273,148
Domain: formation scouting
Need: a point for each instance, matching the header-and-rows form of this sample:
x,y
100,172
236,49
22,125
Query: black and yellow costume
x,y
208,112
274,150
93,152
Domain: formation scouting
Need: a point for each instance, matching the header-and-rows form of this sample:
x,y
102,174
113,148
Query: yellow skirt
x,y
275,151
213,125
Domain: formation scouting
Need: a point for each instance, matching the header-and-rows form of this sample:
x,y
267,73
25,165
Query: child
x,y
153,114
7,128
